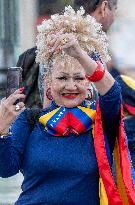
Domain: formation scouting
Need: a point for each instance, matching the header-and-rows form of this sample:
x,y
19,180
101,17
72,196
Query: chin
x,y
72,103
69,103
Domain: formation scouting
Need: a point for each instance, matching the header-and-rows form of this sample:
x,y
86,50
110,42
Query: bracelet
x,y
98,73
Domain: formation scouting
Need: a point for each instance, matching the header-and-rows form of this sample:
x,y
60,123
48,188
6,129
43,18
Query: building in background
x,y
17,29
9,38
27,24
9,32
17,33
122,40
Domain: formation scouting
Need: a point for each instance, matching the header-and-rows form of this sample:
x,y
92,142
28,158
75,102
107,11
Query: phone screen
x,y
14,79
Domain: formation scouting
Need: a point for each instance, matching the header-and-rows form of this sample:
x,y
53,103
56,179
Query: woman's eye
x,y
62,78
79,78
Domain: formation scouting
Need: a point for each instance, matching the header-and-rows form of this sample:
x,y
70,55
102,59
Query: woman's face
x,y
68,83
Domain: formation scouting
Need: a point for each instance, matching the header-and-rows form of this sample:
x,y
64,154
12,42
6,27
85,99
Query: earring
x,y
89,94
48,94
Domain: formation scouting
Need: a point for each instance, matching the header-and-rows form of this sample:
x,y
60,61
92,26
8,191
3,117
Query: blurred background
x,y
18,22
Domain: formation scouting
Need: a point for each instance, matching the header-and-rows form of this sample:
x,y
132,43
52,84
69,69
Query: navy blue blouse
x,y
57,170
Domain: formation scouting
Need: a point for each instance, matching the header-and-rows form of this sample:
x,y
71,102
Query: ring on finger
x,y
64,41
17,107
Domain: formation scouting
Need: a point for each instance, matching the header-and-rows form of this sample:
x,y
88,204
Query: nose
x,y
70,85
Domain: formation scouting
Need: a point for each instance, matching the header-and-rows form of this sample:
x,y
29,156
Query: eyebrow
x,y
69,74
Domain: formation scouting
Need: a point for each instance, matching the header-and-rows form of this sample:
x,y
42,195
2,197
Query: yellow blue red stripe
x,y
61,121
113,194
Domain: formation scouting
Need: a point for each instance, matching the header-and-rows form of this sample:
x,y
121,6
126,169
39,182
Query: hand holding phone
x,y
9,110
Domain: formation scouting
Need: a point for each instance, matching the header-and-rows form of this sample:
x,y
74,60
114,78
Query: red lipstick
x,y
70,96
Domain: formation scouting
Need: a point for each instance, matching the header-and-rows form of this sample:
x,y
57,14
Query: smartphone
x,y
14,80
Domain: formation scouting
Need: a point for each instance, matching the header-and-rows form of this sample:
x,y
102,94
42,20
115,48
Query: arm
x,y
12,147
110,108
104,85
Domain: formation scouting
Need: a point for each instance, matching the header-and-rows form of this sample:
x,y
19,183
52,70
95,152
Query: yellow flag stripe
x,y
43,119
129,81
102,193
120,183
91,113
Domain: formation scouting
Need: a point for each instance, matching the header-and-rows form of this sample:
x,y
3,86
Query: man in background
x,y
102,10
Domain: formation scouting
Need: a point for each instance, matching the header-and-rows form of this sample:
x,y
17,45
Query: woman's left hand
x,y
66,42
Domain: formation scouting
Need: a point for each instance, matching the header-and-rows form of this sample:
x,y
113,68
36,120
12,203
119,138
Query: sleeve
x,y
12,147
110,108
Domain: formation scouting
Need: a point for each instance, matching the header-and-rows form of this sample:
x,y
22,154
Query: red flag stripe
x,y
104,167
130,108
76,123
62,125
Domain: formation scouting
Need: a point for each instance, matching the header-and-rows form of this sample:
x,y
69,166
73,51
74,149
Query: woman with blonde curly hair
x,y
67,154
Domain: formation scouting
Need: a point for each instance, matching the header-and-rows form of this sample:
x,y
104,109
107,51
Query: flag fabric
x,y
62,121
123,191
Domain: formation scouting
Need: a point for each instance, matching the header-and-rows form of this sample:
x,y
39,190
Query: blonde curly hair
x,y
88,32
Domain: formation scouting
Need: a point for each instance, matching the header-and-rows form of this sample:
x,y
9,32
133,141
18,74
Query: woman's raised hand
x,y
9,111
66,42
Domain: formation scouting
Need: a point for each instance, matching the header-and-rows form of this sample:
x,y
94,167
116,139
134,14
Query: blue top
x,y
129,125
57,170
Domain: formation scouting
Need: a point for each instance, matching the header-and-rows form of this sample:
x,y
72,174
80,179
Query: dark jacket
x,y
30,77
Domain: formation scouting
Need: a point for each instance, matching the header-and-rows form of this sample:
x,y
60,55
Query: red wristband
x,y
98,73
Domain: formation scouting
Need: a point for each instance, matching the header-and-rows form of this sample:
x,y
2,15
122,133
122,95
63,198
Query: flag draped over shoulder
x,y
124,192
